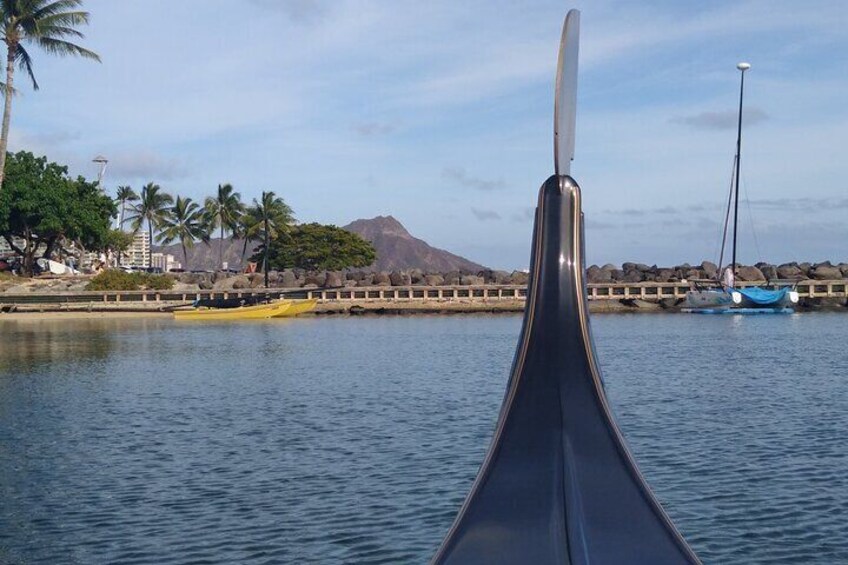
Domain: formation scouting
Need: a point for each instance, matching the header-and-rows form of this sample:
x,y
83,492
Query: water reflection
x,y
26,344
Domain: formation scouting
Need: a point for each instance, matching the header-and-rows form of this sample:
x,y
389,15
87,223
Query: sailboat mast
x,y
742,67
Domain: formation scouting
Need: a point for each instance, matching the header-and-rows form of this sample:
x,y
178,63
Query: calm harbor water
x,y
355,440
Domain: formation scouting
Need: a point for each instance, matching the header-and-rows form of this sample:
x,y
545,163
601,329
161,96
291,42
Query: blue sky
x,y
440,113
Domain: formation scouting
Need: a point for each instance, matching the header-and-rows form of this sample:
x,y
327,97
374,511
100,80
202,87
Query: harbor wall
x,y
603,297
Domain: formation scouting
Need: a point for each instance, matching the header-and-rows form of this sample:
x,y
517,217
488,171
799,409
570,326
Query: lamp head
x,y
743,66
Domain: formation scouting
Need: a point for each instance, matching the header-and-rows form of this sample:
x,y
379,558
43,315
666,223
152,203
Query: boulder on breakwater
x,y
627,273
297,278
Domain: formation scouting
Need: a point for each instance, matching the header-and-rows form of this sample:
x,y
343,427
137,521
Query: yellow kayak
x,y
297,307
257,312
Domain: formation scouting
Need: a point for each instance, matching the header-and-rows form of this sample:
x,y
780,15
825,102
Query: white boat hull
x,y
717,298
720,298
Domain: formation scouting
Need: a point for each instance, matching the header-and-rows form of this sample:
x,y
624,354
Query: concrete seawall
x,y
609,297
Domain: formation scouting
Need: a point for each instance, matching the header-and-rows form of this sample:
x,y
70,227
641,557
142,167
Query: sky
x,y
440,113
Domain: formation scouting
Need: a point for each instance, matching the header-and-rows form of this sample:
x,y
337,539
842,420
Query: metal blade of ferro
x,y
565,104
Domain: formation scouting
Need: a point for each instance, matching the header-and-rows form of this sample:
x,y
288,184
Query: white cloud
x,y
458,175
723,120
485,215
302,96
146,166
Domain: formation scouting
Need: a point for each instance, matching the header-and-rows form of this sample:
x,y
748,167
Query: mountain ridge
x,y
397,250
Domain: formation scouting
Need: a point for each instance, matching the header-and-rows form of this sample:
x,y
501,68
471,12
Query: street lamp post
x,y
742,68
101,162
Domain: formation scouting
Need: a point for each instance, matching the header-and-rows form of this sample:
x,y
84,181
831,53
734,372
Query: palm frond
x,y
63,19
25,64
9,8
57,31
183,221
126,194
135,220
64,48
43,9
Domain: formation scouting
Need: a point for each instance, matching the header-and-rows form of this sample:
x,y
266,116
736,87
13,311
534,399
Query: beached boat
x,y
558,484
722,296
256,312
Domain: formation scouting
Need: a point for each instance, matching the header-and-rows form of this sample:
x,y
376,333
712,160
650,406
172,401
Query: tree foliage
x,y
268,217
224,211
269,211
118,241
114,279
184,222
48,210
153,206
126,195
318,247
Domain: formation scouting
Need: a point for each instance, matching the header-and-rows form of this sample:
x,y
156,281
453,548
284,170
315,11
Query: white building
x,y
164,261
138,254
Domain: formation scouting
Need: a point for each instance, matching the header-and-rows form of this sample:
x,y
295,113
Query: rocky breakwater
x,y
298,278
639,272
632,273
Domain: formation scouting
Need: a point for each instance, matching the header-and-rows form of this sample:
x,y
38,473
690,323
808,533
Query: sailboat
x,y
558,484
724,297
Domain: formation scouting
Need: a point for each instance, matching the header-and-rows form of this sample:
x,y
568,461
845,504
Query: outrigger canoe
x,y
298,307
257,312
280,309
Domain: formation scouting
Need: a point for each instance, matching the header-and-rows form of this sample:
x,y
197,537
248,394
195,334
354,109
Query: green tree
x,y
184,222
152,207
317,247
118,241
223,212
249,228
270,215
125,195
46,23
50,211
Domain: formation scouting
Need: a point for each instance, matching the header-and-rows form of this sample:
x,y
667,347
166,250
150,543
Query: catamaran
x,y
558,484
723,296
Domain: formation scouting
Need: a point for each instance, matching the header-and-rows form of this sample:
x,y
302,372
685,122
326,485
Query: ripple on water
x,y
356,440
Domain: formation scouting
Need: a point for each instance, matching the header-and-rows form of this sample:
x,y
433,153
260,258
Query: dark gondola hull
x,y
558,484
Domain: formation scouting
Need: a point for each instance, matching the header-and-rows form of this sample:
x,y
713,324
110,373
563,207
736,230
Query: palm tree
x,y
249,228
223,211
153,207
184,221
46,23
273,216
124,196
